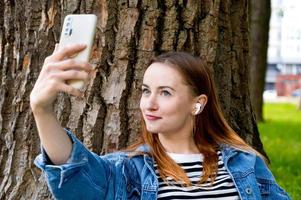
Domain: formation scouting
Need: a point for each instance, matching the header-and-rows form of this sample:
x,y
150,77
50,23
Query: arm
x,y
52,79
85,175
72,171
53,138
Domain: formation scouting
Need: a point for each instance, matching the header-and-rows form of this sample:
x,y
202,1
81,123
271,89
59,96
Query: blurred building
x,y
284,52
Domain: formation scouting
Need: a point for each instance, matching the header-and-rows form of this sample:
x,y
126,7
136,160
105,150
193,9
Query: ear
x,y
202,99
199,101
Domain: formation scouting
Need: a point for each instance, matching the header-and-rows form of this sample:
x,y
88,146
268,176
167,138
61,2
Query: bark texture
x,y
129,33
260,12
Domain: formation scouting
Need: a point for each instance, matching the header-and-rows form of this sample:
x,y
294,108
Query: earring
x,y
198,108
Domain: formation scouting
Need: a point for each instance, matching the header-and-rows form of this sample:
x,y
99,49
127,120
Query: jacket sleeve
x,y
85,175
267,184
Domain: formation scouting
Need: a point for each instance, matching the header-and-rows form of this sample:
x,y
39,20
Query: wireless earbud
x,y
198,108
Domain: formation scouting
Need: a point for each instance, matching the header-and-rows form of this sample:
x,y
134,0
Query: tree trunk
x,y
260,12
128,34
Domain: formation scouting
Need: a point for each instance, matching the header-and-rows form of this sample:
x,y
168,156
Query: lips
x,y
152,117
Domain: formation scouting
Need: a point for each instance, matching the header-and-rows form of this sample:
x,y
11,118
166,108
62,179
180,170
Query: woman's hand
x,y
57,69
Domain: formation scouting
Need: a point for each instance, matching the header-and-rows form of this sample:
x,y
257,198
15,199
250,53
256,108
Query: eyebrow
x,y
160,87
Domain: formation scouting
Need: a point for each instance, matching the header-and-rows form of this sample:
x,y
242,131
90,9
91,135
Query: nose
x,y
151,102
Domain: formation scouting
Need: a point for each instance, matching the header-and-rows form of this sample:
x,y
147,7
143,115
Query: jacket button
x,y
248,190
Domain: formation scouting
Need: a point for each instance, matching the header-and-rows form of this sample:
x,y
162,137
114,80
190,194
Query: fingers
x,y
59,75
73,74
56,48
68,51
69,64
70,90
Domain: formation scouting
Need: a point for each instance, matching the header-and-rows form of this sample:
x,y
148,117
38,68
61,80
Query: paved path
x,y
293,100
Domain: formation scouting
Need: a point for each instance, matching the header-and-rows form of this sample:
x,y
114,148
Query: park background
x,y
280,128
241,41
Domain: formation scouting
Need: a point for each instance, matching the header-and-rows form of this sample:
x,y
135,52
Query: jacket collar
x,y
228,152
227,149
144,148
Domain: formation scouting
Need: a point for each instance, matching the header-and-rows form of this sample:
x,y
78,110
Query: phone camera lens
x,y
66,31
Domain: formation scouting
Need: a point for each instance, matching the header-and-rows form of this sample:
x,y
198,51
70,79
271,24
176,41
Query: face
x,y
166,102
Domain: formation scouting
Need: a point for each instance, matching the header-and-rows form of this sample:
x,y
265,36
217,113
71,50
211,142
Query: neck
x,y
176,143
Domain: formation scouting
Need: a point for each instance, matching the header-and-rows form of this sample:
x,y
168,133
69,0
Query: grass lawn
x,y
281,137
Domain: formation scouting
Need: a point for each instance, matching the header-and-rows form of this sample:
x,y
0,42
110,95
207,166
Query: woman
x,y
186,150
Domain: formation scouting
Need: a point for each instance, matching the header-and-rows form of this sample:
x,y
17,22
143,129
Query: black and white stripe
x,y
223,187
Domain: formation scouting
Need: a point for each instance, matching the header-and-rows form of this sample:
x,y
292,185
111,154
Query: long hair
x,y
210,129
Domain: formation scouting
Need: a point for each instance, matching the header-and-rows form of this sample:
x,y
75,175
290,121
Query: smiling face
x,y
166,102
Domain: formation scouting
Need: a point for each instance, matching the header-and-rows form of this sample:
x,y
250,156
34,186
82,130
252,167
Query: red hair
x,y
210,127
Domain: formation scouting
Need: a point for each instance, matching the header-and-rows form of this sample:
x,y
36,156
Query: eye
x,y
165,93
145,91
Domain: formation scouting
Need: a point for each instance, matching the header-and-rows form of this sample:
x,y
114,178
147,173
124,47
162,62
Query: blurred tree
x,y
260,12
129,33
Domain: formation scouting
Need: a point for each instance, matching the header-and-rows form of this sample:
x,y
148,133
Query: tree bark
x,y
260,12
128,34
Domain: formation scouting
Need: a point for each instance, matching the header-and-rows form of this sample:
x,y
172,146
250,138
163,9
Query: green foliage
x,y
281,137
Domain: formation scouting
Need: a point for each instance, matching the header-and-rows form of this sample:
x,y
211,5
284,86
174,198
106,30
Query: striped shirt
x,y
223,187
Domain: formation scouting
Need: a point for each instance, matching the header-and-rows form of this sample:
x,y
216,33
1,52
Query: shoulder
x,y
246,161
249,167
233,154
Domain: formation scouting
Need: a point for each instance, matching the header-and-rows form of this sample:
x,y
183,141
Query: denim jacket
x,y
117,176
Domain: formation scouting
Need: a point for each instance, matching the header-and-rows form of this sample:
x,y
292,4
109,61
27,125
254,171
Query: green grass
x,y
281,137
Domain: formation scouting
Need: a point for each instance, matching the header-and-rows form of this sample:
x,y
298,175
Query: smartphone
x,y
79,29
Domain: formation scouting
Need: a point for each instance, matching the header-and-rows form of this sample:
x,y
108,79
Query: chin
x,y
153,129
